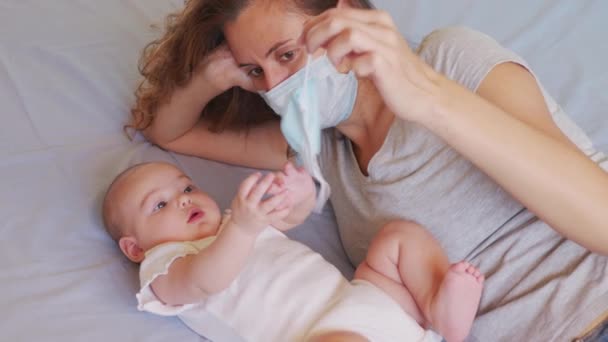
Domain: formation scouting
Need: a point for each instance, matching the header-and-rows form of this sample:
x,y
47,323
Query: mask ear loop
x,y
305,87
310,158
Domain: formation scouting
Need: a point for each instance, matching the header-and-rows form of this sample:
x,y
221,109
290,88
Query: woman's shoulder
x,y
449,34
454,38
463,54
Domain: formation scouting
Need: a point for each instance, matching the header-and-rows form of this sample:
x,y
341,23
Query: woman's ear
x,y
128,245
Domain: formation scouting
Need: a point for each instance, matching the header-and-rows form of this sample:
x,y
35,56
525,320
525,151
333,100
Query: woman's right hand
x,y
222,72
370,43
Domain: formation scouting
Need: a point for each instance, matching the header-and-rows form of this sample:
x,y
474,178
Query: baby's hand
x,y
252,211
297,181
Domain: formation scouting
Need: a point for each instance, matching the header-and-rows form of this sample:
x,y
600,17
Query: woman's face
x,y
264,42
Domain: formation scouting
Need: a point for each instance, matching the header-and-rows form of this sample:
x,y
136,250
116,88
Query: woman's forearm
x,y
556,182
181,113
177,126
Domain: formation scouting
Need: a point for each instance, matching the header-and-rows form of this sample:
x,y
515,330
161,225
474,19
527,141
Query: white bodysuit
x,y
285,293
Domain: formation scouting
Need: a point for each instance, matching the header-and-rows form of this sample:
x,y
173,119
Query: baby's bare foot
x,y
456,302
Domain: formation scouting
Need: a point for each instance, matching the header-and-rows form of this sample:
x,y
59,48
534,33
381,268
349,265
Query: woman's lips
x,y
195,215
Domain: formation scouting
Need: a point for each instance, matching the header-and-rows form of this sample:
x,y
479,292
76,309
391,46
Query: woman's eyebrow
x,y
271,50
276,46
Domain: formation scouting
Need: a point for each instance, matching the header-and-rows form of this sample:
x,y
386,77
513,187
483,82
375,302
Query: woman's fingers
x,y
288,169
322,29
375,17
354,42
368,42
223,70
366,65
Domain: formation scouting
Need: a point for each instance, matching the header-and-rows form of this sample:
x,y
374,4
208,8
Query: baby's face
x,y
158,203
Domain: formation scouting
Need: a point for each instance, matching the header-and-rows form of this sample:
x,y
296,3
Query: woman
x,y
458,137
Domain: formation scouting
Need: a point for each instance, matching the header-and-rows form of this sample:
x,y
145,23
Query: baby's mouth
x,y
195,215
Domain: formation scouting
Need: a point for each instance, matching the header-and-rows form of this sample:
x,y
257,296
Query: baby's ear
x,y
128,245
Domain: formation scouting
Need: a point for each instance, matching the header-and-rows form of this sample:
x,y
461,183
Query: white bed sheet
x,y
67,72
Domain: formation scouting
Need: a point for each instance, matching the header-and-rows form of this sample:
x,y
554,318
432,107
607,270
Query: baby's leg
x,y
407,262
394,287
338,336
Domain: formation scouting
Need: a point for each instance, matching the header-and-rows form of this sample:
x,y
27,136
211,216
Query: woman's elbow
x,y
155,138
595,238
601,241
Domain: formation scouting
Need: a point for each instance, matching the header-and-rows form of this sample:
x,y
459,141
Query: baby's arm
x,y
210,271
302,192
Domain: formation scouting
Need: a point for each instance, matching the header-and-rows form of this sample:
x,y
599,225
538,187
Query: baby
x,y
241,268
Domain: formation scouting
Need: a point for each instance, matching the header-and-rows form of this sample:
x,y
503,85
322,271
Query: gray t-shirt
x,y
540,286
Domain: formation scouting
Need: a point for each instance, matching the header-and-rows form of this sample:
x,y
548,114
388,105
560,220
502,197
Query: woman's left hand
x,y
252,210
369,42
297,181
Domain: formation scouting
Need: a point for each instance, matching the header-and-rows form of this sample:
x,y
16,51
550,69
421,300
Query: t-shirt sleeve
x,y
464,55
467,56
157,263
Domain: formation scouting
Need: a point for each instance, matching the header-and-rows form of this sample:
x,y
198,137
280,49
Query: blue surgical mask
x,y
334,91
316,97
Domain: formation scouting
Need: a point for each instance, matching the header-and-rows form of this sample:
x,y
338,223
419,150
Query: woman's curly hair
x,y
191,34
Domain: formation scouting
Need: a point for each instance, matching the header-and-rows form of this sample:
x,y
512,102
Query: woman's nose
x,y
270,81
274,76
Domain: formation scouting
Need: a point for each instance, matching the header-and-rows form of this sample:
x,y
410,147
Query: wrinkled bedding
x,y
67,73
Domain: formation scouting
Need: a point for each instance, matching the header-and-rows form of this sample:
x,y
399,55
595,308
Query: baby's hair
x,y
114,228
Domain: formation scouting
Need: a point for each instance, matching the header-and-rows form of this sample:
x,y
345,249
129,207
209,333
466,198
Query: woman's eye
x,y
287,56
189,189
160,205
256,72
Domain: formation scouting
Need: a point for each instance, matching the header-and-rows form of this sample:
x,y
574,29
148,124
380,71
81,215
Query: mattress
x,y
68,69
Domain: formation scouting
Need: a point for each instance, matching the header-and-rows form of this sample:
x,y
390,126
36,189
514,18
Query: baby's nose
x,y
185,201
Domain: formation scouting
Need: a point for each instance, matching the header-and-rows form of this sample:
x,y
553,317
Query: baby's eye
x,y
160,205
189,189
256,72
287,56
